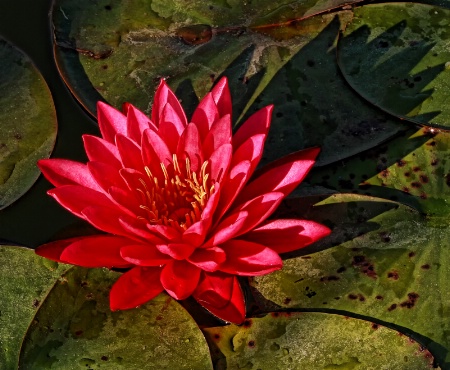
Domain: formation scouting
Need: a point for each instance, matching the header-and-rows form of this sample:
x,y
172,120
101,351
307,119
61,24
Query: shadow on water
x,y
381,70
314,105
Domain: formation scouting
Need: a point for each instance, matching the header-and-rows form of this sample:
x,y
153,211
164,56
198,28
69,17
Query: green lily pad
x,y
397,57
27,123
412,169
75,329
315,341
423,173
118,51
398,273
25,279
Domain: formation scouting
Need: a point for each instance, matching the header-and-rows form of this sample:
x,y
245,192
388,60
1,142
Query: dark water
x,y
35,217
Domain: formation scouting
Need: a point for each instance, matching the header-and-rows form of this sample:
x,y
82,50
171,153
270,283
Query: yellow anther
x,y
180,199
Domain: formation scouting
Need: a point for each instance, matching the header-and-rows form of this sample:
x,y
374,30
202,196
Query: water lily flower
x,y
181,204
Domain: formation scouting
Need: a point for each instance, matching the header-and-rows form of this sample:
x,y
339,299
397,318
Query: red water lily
x,y
178,202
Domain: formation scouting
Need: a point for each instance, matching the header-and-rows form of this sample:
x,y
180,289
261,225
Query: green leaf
x,y
398,273
74,328
25,279
397,57
423,173
118,51
412,169
315,341
27,123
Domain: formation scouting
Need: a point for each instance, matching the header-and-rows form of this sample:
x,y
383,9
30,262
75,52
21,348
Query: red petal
x,y
130,153
196,233
208,259
170,135
76,198
100,150
65,172
137,123
228,228
251,150
53,250
126,199
205,115
249,259
171,127
135,287
221,294
163,96
257,123
180,278
96,251
155,152
144,255
110,122
132,179
215,288
283,175
112,221
178,251
245,218
220,162
165,232
219,135
287,235
236,179
138,228
106,175
190,146
243,163
222,97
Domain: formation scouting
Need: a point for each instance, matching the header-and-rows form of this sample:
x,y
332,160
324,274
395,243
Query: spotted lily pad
x,y
25,279
271,53
423,173
74,328
412,169
315,341
397,273
397,56
27,123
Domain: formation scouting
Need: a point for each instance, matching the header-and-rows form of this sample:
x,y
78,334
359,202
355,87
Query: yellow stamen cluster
x,y
181,199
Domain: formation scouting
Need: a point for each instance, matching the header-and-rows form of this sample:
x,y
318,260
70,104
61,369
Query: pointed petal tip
x,y
102,105
222,83
53,250
269,108
41,162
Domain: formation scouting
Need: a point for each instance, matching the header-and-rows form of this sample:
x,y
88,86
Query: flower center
x,y
180,200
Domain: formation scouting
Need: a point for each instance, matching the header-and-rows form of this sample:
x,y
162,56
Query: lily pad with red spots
x,y
314,341
412,169
397,272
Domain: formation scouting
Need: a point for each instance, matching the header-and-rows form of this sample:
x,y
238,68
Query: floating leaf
x,y
412,169
118,51
27,123
74,328
423,173
25,279
397,56
315,341
396,273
